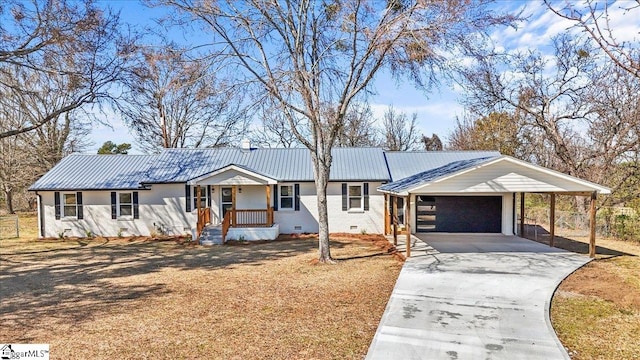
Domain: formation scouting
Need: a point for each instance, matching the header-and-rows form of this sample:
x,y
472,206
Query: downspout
x,y
40,216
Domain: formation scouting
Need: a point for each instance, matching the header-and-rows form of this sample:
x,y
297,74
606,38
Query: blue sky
x,y
437,111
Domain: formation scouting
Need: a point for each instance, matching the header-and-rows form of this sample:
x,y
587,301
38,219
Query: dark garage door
x,y
459,214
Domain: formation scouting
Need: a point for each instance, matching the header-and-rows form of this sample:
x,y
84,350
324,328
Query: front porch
x,y
234,204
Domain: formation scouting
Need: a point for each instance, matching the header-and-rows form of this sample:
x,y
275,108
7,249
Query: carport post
x,y
386,215
407,223
522,214
552,219
395,220
592,225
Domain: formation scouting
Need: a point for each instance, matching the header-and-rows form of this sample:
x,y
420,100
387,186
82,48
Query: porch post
x,y
199,224
592,225
552,219
395,220
386,214
267,190
407,223
521,214
233,205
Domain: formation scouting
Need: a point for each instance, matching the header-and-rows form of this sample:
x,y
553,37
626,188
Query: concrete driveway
x,y
474,297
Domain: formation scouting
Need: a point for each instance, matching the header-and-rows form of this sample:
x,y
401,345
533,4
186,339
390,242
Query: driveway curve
x,y
474,297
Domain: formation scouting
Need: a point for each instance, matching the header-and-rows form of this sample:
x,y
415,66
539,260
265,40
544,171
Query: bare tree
x,y
593,17
400,133
173,101
573,112
432,143
359,127
57,47
275,130
307,56
27,156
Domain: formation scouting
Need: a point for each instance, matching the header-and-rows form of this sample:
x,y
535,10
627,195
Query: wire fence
x,y
613,223
9,227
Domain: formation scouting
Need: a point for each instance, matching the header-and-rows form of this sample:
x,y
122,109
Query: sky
x,y
436,111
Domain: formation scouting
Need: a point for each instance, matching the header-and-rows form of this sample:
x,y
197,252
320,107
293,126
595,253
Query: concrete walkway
x,y
474,297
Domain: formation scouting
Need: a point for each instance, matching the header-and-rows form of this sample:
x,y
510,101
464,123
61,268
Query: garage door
x,y
456,214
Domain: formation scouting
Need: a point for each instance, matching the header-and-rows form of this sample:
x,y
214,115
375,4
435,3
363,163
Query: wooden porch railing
x,y
226,223
204,217
251,218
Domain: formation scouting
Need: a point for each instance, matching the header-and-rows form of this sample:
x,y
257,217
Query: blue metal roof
x,y
181,165
424,177
293,164
95,172
408,163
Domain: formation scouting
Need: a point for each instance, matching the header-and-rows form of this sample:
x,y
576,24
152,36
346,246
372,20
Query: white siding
x,y
503,177
162,206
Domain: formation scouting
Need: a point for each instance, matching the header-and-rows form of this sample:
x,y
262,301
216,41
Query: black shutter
x,y
136,208
345,205
208,195
56,201
296,197
187,195
276,201
79,204
114,209
365,190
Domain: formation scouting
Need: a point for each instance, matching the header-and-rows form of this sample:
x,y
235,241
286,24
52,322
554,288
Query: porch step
x,y
211,235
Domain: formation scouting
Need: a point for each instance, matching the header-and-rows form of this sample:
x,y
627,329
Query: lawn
x,y
596,310
116,298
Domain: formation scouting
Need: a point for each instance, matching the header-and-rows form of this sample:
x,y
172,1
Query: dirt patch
x,y
598,279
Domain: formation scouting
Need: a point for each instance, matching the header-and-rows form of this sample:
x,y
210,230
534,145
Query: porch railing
x,y
226,223
251,218
204,217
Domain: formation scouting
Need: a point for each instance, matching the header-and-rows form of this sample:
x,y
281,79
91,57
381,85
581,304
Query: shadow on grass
x,y
78,284
361,256
543,237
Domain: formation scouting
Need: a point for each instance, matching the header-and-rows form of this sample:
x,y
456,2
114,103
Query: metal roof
x,y
181,165
424,177
292,164
95,172
405,164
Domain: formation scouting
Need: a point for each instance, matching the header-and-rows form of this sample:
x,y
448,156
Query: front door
x,y
227,200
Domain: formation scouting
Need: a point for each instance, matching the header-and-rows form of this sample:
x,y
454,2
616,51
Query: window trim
x,y
204,195
63,205
119,216
291,195
361,196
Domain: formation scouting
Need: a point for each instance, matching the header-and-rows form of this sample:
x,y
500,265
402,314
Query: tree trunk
x,y
321,170
8,195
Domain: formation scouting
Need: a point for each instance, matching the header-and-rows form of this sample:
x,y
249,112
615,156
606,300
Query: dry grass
x,y
596,310
113,298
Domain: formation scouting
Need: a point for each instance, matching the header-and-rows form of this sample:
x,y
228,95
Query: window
x,y
203,197
355,197
125,204
286,197
70,205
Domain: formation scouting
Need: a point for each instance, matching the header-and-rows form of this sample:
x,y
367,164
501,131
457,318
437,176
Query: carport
x,y
478,196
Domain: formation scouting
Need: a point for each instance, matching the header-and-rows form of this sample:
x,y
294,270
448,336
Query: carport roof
x,y
515,176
